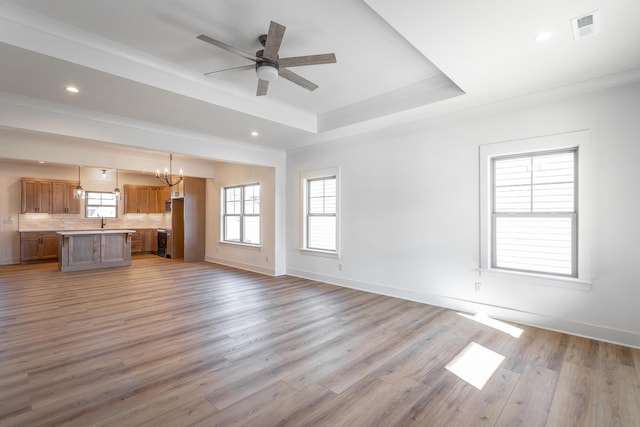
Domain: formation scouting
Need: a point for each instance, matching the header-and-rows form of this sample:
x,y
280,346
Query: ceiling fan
x,y
268,65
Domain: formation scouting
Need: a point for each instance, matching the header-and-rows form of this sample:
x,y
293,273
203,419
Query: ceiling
x,y
397,61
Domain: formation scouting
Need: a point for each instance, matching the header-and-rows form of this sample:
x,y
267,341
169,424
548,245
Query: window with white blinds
x,y
321,213
241,214
534,214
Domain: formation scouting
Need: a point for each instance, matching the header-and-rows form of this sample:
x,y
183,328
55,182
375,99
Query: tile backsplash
x,y
46,222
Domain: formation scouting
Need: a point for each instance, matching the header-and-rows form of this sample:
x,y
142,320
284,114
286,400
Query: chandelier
x,y
167,177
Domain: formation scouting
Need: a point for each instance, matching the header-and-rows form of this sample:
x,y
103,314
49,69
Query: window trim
x,y
305,177
241,215
87,205
578,140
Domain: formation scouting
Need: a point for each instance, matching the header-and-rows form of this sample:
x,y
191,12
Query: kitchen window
x,y
241,214
100,204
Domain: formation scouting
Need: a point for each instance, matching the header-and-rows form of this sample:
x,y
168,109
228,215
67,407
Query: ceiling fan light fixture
x,y
267,71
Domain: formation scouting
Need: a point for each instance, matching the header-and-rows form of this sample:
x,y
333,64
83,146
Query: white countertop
x,y
98,231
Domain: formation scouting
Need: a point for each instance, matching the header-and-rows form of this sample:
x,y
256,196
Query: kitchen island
x,y
92,249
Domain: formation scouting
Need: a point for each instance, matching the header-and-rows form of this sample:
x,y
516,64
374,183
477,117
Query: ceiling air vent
x,y
586,25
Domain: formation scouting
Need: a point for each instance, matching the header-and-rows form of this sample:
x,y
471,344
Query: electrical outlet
x,y
340,267
478,287
266,258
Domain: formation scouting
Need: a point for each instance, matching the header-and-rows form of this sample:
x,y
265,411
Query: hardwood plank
x,y
574,402
618,391
530,402
171,343
340,410
582,351
437,402
276,404
636,362
483,407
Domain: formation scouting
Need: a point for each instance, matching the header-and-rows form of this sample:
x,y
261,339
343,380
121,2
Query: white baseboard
x,y
241,265
597,332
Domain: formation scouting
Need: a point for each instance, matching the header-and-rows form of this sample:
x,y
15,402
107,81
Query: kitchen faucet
x,y
102,223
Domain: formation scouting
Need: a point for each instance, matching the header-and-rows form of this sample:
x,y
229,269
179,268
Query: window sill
x,y
242,245
543,279
318,252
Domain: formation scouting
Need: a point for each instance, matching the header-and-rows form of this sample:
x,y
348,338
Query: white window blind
x,y
241,214
534,213
321,213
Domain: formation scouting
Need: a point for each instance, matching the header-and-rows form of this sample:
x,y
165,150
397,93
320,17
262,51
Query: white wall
x,y
410,214
262,259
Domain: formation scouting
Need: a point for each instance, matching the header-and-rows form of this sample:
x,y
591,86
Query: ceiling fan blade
x,y
263,85
240,68
227,47
274,39
296,61
297,79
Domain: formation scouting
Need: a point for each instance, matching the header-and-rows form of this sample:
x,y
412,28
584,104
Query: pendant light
x,y
116,191
78,192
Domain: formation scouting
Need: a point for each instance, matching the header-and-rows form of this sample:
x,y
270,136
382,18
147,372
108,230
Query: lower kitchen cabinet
x,y
144,240
38,247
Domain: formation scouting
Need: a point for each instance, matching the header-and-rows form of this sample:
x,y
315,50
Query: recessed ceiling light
x,y
72,89
41,162
543,36
254,133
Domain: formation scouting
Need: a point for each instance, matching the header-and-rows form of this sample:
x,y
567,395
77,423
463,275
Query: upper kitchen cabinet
x,y
145,198
62,200
157,198
36,195
136,199
49,196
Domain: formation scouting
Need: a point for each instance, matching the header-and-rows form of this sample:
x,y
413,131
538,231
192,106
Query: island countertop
x,y
96,231
90,249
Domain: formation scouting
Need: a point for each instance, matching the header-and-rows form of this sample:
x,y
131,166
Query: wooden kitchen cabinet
x,y
136,242
62,198
144,241
136,199
38,247
157,197
153,244
145,198
36,195
49,196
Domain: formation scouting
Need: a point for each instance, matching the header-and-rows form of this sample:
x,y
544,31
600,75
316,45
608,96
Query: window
x,y
534,213
241,214
535,204
100,204
321,211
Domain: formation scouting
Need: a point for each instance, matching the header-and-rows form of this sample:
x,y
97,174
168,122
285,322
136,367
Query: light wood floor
x,y
164,343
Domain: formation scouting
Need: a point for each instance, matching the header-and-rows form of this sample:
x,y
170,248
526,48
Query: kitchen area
x,y
151,211
191,219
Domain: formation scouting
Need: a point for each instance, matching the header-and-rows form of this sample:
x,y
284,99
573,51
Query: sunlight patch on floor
x,y
475,364
495,324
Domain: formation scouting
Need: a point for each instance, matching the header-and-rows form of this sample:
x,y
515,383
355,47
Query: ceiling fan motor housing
x,y
267,70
